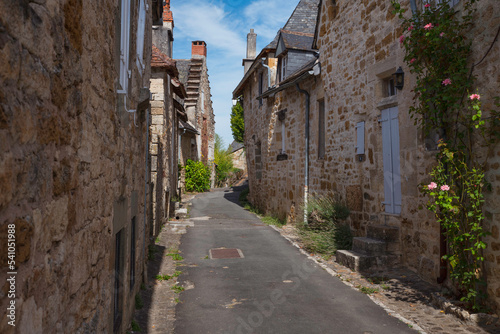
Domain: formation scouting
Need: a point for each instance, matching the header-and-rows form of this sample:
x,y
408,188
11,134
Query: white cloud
x,y
201,20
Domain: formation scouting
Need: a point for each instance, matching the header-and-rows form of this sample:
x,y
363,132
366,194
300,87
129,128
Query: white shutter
x,y
360,138
391,160
124,46
387,160
396,173
141,26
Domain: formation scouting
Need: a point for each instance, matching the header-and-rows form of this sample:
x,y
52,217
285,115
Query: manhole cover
x,y
226,253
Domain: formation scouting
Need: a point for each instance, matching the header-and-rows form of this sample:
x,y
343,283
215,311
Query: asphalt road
x,y
273,289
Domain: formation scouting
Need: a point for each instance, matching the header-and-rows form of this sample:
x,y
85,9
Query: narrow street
x,y
273,288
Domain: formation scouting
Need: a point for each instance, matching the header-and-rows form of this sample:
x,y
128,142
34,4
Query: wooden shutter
x,y
390,152
360,138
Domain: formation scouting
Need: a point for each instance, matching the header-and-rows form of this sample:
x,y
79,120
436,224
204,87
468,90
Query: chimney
x,y
251,44
198,48
167,13
251,50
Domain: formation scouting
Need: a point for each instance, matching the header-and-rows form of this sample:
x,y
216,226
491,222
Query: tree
x,y
238,122
223,160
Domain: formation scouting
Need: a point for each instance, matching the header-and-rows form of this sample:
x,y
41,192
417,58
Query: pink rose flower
x,y
412,60
401,39
428,26
441,34
432,185
445,187
475,97
446,82
410,28
427,5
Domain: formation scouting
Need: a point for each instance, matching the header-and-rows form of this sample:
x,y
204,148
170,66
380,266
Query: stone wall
x,y
71,164
359,50
240,160
354,69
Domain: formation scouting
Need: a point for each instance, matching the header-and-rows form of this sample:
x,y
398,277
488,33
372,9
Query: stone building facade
x,y
193,74
74,104
364,118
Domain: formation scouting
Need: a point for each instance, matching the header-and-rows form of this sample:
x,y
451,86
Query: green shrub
x,y
342,236
324,212
197,176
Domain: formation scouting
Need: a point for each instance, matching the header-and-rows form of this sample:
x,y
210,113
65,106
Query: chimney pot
x,y
198,48
251,44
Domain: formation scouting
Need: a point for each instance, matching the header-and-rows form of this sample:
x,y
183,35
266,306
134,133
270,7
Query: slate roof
x,y
235,146
303,19
161,61
187,126
297,40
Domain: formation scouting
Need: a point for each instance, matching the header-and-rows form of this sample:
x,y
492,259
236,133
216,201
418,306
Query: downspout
x,y
306,169
146,188
268,73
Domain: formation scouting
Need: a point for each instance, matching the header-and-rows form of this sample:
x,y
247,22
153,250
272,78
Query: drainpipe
x,y
146,188
268,73
306,171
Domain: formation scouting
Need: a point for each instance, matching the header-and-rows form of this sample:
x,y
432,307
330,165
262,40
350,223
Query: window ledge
x,y
387,102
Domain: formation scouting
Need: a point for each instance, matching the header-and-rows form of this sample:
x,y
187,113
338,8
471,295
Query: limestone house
x,y
375,156
278,91
197,135
166,113
363,146
238,155
74,111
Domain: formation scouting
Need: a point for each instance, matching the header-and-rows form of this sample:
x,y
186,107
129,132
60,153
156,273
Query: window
x,y
390,89
132,254
281,117
141,25
117,313
321,129
124,46
390,152
258,161
282,62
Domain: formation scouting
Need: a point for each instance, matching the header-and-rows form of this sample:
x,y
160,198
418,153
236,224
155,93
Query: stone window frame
x,y
281,117
258,160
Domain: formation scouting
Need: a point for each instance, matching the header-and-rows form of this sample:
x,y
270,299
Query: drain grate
x,y
226,253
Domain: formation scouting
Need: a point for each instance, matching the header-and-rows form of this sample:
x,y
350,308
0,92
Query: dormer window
x,y
282,65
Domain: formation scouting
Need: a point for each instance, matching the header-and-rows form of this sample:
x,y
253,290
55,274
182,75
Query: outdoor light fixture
x,y
399,78
234,102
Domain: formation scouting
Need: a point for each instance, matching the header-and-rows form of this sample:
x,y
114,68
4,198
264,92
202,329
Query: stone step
x,y
181,213
365,263
383,232
368,246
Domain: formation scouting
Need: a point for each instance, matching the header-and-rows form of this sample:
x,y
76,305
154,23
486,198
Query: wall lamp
x,y
399,78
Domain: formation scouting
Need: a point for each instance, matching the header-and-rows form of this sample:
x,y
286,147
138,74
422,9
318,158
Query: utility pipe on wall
x,y
306,171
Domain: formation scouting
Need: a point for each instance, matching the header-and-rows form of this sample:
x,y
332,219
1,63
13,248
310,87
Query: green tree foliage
x,y
223,161
238,122
197,176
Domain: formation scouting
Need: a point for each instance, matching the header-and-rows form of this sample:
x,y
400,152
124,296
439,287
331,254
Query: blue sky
x,y
224,25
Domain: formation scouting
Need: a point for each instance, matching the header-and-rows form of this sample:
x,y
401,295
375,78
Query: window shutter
x,y
124,45
387,160
141,26
396,174
360,138
391,160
